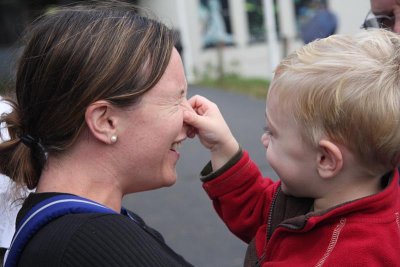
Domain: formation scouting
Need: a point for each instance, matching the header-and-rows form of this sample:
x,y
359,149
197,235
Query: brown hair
x,y
74,56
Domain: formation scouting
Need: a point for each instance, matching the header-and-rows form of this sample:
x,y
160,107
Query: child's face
x,y
291,158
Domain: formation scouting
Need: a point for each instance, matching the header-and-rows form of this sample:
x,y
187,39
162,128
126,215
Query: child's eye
x,y
267,131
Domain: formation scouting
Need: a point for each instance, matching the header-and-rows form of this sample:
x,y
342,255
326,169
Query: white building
x,y
245,57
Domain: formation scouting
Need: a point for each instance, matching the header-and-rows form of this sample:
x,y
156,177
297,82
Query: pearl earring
x,y
113,138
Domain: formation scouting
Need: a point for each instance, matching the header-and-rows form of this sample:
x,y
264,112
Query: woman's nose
x,y
396,26
189,130
396,13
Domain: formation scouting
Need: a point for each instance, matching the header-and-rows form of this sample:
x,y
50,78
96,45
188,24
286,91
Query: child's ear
x,y
101,121
329,159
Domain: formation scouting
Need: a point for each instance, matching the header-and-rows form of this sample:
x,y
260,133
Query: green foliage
x,y
253,87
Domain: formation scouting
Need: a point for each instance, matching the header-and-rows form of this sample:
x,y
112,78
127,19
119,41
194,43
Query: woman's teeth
x,y
176,146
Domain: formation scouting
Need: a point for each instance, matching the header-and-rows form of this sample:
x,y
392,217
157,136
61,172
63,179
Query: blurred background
x,y
232,45
218,38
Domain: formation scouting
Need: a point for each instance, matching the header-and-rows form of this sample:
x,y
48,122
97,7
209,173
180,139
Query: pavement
x,y
183,213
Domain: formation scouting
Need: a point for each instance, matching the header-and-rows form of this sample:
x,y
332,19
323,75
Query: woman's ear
x,y
101,121
329,159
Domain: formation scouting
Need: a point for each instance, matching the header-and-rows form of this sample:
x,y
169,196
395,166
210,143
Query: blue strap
x,y
43,213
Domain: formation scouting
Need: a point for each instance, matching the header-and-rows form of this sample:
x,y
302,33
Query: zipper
x,y
269,225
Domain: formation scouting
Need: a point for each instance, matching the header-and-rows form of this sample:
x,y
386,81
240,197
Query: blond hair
x,y
347,88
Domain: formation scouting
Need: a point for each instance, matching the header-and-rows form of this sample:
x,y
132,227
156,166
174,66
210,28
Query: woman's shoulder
x,y
98,239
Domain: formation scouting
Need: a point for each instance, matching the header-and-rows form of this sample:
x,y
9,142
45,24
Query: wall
x,y
351,14
251,60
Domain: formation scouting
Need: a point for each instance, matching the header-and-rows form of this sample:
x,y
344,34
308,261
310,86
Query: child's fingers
x,y
197,100
201,104
191,118
191,132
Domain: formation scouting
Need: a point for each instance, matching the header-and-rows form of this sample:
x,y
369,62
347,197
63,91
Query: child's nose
x,y
265,140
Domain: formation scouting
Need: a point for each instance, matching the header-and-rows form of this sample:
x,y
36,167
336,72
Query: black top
x,y
95,239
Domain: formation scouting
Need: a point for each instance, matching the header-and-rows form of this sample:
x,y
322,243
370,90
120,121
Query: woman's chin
x,y
170,180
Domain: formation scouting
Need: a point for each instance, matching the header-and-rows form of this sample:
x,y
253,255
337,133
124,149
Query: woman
x,y
100,94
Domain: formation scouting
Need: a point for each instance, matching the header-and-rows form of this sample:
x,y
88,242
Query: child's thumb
x,y
191,118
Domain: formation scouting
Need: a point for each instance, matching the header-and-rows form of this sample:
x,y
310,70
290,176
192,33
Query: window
x,y
215,23
255,18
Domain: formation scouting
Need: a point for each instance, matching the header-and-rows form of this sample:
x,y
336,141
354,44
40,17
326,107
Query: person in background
x,y
332,136
321,25
383,14
100,94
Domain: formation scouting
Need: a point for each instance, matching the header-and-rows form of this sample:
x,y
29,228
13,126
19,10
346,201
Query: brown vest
x,y
285,211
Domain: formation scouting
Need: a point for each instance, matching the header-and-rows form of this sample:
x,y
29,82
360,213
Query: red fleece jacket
x,y
364,232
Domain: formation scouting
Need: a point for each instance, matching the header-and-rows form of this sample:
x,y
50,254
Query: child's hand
x,y
212,130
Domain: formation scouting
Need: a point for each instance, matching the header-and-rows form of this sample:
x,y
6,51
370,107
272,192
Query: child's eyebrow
x,y
268,121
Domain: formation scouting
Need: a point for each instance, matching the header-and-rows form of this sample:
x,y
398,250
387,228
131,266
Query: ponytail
x,y
21,156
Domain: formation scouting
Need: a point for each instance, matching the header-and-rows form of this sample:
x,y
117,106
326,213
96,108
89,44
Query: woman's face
x,y
152,131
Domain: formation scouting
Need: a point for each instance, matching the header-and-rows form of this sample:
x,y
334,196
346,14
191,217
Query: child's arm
x,y
241,196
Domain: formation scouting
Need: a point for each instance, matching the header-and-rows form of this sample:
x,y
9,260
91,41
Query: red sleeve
x,y
242,197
